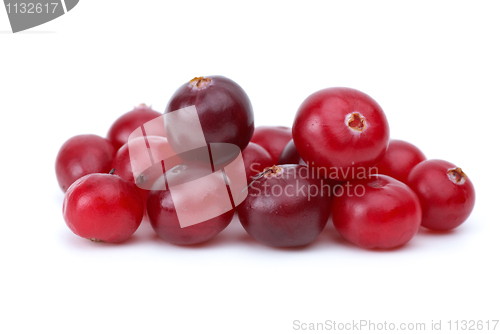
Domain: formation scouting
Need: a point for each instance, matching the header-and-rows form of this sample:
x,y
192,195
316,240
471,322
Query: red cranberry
x,y
341,128
290,155
256,159
399,159
121,165
273,139
380,212
102,207
158,147
121,129
200,194
285,207
445,192
82,155
337,187
223,107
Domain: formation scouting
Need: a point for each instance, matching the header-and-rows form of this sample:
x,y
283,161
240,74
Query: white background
x,y
433,67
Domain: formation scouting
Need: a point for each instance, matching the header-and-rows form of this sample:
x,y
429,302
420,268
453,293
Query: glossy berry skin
x,y
164,221
278,214
121,129
255,158
103,207
82,155
380,212
157,146
163,215
445,192
341,128
399,159
123,169
290,155
273,139
223,107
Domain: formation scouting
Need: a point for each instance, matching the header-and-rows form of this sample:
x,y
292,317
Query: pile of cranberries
x,y
336,161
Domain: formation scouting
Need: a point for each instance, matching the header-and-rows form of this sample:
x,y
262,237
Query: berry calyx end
x,y
456,175
200,83
273,171
356,122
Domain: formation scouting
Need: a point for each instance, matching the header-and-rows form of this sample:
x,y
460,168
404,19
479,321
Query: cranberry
x,y
379,212
273,139
290,155
103,207
158,146
445,192
337,187
399,159
256,159
223,107
121,129
82,155
202,193
341,128
285,207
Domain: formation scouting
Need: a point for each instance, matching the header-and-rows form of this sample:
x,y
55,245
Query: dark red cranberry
x,y
399,159
103,207
273,139
198,195
285,207
341,128
380,212
223,107
290,155
256,158
445,192
82,155
121,129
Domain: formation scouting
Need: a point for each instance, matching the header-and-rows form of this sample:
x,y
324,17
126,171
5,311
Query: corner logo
x,y
205,180
26,14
